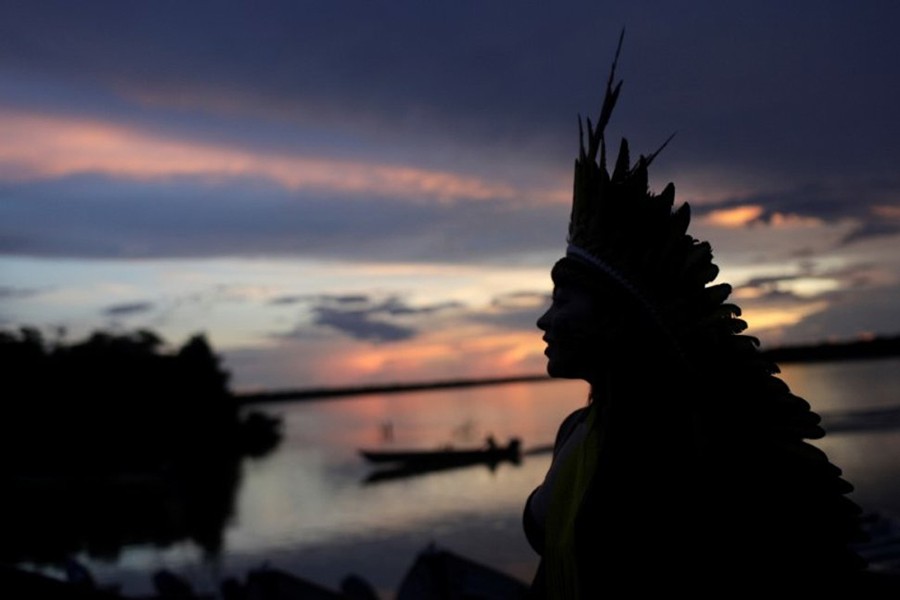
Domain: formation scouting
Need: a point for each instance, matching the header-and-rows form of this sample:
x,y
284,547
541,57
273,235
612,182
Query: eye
x,y
560,296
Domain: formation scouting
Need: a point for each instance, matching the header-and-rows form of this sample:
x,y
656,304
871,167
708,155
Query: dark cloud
x,y
849,314
516,311
128,309
361,325
311,298
99,217
800,98
402,63
776,288
804,87
396,306
289,300
517,300
872,228
776,296
391,318
769,281
8,292
366,318
851,199
802,94
769,286
344,299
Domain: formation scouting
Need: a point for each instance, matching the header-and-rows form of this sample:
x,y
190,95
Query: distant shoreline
x,y
390,388
880,347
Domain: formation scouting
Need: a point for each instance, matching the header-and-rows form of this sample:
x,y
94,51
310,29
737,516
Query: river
x,y
306,509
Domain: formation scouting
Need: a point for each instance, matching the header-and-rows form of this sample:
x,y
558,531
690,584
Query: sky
x,y
340,193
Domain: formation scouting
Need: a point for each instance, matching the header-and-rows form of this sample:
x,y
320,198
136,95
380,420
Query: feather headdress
x,y
621,234
638,239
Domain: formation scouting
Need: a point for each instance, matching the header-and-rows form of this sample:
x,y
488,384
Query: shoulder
x,y
568,426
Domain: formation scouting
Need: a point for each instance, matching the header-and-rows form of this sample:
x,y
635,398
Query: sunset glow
x,y
735,217
334,203
39,146
762,319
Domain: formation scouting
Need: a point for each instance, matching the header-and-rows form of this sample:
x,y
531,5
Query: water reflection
x,y
49,517
302,508
304,505
862,420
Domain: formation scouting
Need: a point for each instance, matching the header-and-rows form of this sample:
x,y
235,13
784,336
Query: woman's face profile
x,y
571,330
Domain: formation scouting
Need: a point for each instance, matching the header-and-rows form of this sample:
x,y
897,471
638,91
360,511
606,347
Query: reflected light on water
x,y
305,508
868,457
312,490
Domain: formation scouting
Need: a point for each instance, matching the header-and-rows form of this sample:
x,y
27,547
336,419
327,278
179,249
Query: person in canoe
x,y
689,469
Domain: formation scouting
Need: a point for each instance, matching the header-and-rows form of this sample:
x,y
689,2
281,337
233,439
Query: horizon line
x,y
877,347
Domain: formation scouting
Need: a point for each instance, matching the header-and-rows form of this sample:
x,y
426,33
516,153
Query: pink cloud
x,y
36,146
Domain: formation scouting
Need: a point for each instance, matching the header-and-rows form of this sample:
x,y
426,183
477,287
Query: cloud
x,y
365,318
44,147
435,133
8,292
392,319
818,303
333,108
737,216
810,282
361,325
851,313
760,297
100,217
311,298
514,311
861,201
870,229
521,299
128,309
326,63
393,305
736,82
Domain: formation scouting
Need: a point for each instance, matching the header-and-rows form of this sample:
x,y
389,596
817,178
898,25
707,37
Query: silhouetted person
x,y
688,471
387,431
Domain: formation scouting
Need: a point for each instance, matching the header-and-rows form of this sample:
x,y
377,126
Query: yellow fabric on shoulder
x,y
571,484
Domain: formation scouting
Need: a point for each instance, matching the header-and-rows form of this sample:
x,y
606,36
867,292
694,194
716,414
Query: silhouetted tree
x,y
114,440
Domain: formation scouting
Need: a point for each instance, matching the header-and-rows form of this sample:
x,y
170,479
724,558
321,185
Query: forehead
x,y
570,283
573,294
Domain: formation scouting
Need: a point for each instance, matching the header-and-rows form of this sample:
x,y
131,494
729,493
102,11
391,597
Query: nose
x,y
543,322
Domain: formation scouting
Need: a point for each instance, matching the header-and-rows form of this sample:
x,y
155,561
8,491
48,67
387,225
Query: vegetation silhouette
x,y
115,441
877,347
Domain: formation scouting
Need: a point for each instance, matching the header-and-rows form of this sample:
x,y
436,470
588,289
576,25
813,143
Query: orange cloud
x,y
36,145
734,217
788,220
761,319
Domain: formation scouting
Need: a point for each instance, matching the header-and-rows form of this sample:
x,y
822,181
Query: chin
x,y
563,371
